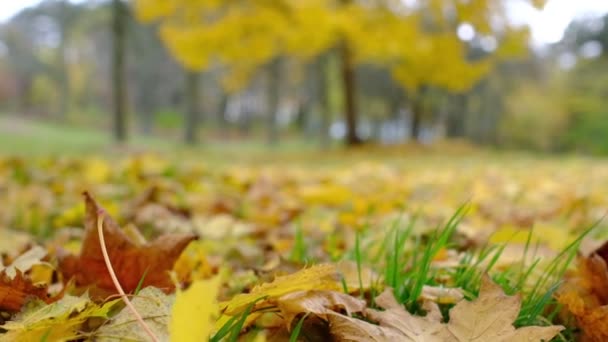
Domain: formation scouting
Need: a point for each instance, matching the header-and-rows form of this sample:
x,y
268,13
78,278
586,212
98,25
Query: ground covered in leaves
x,y
361,248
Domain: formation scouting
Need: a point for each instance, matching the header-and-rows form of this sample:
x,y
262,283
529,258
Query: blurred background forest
x,y
321,72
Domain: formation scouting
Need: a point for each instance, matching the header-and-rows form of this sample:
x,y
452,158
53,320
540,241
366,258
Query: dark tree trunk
x,y
191,122
64,81
349,89
221,122
323,96
119,86
416,122
274,79
245,116
301,113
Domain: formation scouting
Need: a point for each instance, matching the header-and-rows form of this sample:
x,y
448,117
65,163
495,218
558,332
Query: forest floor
x,y
403,243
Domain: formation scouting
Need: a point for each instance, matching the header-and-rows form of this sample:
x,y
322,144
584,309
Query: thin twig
x,y
123,295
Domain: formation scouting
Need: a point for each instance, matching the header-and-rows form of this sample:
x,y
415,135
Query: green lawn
x,y
20,136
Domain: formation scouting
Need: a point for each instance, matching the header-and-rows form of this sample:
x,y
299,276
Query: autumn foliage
x,y
147,264
275,252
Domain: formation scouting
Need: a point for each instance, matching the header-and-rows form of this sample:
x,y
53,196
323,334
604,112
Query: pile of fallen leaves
x,y
188,251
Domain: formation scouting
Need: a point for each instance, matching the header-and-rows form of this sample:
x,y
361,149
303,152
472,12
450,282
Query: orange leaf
x,y
585,295
129,260
15,292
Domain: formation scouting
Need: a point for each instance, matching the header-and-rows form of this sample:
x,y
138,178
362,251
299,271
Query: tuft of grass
x,y
540,298
394,254
419,272
299,253
407,270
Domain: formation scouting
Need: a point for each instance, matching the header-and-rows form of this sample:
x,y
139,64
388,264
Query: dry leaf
x,y
24,262
585,295
14,291
153,305
59,321
318,277
487,318
490,318
394,324
593,320
130,262
320,303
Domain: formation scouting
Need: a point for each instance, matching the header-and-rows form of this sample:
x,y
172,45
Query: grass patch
x,y
406,264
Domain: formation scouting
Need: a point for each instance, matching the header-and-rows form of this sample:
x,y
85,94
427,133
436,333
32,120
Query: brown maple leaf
x,y
129,260
487,318
15,291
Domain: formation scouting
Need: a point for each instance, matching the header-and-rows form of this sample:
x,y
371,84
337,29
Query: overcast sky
x,y
548,25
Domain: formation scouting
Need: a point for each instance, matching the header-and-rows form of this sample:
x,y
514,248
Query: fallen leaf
x,y
320,303
194,310
318,277
24,262
129,261
487,318
394,324
59,321
490,318
15,291
153,305
593,320
585,295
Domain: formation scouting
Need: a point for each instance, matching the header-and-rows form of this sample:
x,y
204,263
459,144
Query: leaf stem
x,y
123,295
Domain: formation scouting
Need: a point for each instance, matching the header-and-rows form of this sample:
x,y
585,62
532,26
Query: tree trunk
x,y
245,115
222,123
119,86
306,104
274,77
191,121
416,122
323,96
349,89
64,80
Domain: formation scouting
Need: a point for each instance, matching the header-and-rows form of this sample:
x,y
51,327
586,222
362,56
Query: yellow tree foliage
x,y
417,42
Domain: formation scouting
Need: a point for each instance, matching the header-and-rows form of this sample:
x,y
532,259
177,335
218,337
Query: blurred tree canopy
x,y
423,50
382,70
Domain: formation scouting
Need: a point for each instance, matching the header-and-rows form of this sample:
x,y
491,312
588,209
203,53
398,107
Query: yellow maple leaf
x,y
318,277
